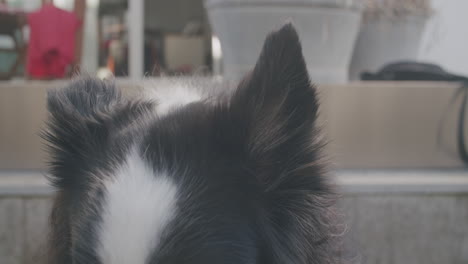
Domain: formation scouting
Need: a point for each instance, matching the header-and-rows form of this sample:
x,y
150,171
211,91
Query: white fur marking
x,y
138,207
172,97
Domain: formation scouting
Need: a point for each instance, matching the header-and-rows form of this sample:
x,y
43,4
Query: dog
x,y
202,178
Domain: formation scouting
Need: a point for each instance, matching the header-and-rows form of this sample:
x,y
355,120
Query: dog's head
x,y
233,180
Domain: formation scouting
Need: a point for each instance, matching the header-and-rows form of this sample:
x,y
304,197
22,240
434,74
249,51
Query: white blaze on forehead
x,y
172,97
138,206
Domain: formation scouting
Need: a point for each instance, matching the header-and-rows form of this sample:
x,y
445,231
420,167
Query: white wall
x,y
445,41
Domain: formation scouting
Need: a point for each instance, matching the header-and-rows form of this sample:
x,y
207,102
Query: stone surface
x,y
11,230
36,224
392,229
385,226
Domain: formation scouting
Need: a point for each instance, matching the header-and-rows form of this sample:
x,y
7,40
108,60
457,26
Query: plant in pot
x,y
391,30
328,30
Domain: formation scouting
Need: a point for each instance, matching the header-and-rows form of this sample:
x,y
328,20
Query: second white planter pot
x,y
328,30
384,40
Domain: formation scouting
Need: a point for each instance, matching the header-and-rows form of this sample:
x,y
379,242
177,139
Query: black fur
x,y
249,168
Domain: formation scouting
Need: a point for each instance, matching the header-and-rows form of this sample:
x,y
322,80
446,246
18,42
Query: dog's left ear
x,y
274,111
277,105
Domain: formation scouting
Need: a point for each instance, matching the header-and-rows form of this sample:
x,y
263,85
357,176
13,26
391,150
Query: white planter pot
x,y
328,30
384,40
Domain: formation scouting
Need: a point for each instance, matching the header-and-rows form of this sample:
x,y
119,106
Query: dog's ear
x,y
82,116
83,99
278,107
275,110
76,128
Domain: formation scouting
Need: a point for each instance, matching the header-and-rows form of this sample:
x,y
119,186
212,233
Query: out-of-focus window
x,y
112,38
176,37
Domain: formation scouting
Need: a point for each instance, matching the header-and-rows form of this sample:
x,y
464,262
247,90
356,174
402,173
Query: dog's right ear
x,y
76,125
83,99
75,128
81,119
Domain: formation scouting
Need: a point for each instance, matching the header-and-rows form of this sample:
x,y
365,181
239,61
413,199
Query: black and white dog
x,y
230,179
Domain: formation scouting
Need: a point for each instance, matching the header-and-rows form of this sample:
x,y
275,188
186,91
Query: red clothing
x,y
52,42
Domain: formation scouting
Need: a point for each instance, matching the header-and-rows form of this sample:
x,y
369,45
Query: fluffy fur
x,y
238,179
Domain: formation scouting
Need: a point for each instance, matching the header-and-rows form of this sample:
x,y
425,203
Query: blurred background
x,y
396,135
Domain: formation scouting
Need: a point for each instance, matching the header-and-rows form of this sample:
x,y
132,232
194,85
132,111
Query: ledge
x,y
369,125
350,182
24,183
403,181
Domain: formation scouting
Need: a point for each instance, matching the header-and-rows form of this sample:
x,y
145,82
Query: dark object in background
x,y
411,71
416,71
